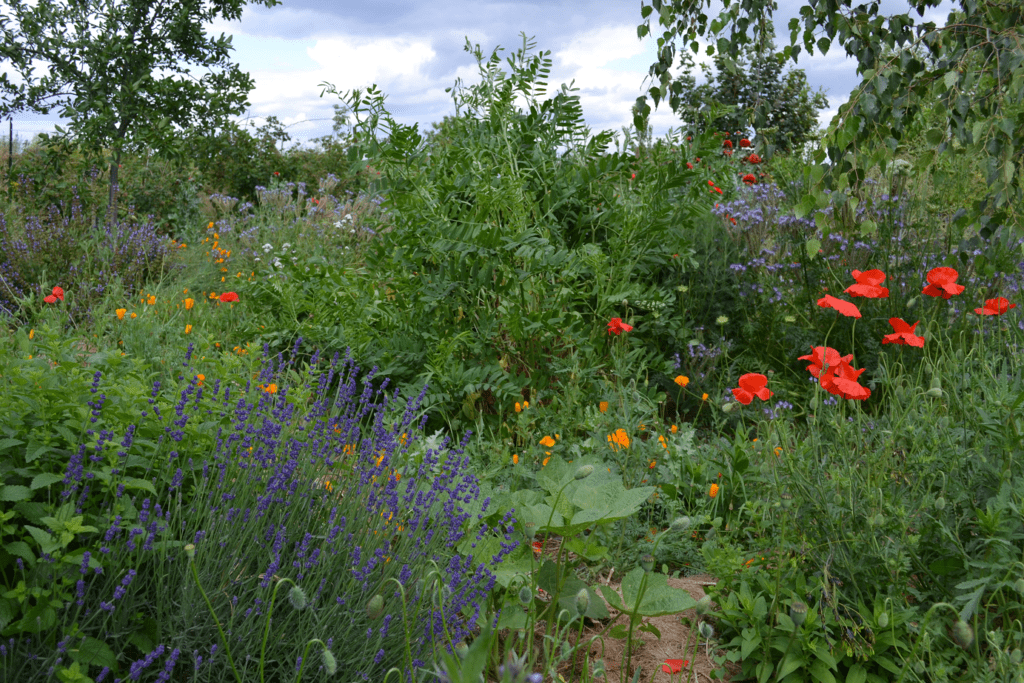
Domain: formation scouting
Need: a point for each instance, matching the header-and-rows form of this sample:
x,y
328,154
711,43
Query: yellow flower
x,y
653,463
526,404
31,334
185,291
327,485
213,295
674,429
682,380
133,316
188,329
210,226
714,490
619,439
778,450
661,438
151,300
547,442
519,407
545,463
603,406
189,303
515,458
120,313
270,388
704,397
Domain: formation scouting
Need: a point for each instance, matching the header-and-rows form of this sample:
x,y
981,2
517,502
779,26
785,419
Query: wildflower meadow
x,y
510,400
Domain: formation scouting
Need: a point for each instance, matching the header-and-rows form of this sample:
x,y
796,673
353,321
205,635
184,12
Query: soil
x,y
649,652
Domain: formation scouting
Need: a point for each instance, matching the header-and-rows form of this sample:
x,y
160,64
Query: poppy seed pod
x,y
962,634
190,551
582,601
647,562
375,607
584,472
525,596
461,649
297,597
798,613
530,529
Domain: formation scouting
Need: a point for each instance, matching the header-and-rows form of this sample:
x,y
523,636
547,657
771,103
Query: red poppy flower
x,y
744,143
674,666
727,152
841,380
995,307
228,297
727,144
749,179
689,165
537,547
903,333
752,384
50,299
616,326
942,282
754,159
868,285
59,293
844,307
823,357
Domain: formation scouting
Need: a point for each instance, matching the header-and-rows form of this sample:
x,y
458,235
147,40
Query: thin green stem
x,y
223,638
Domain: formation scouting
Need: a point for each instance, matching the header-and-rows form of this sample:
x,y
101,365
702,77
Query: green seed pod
x,y
190,551
727,407
798,613
1018,586
329,662
883,619
582,601
962,634
940,503
647,562
934,392
297,597
525,596
584,472
1015,657
375,607
703,606
530,529
461,649
680,524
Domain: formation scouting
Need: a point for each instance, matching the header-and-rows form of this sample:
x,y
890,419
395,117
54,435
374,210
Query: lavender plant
x,y
319,484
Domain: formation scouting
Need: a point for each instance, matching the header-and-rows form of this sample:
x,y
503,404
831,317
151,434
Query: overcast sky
x,y
413,50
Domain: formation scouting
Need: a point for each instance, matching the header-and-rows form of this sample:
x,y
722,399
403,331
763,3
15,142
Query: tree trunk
x,y
115,164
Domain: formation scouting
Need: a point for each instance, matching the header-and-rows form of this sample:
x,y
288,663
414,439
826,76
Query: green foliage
x,y
103,57
780,108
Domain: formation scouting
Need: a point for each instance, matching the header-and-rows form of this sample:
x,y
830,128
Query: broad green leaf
x,y
135,483
659,599
93,651
857,674
9,443
12,494
812,246
791,663
44,480
950,79
45,540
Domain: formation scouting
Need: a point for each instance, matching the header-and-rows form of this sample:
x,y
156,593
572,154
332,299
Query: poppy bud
x,y
727,407
329,662
940,503
883,619
934,392
1015,657
297,597
707,630
962,634
525,596
798,613
912,302
878,520
1018,586
599,668
582,601
680,523
703,606
375,607
584,472
647,562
